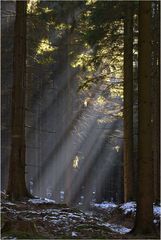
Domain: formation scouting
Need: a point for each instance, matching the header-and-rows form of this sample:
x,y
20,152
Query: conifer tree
x,y
128,103
16,183
144,215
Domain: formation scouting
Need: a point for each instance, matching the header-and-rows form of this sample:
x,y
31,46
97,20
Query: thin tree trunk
x,y
69,170
128,104
144,215
16,183
156,100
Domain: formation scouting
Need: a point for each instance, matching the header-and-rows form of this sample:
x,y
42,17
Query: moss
x,y
89,226
22,235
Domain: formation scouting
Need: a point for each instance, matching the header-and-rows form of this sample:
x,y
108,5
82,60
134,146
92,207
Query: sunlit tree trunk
x,y
69,170
128,104
144,215
16,183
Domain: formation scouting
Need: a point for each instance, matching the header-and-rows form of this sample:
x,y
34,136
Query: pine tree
x,y
128,103
156,99
16,184
144,215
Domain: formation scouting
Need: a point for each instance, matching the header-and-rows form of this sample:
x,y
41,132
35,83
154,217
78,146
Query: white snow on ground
x,y
74,234
50,211
129,207
73,215
10,203
41,200
105,205
156,221
49,200
157,210
117,228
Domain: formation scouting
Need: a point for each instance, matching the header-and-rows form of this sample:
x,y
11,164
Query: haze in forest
x,y
80,104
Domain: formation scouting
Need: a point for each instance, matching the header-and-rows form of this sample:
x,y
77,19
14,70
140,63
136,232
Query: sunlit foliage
x,y
62,26
117,148
82,60
44,46
76,162
90,2
101,100
32,6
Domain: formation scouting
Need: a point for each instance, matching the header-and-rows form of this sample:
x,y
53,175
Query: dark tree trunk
x,y
156,99
128,104
144,214
16,183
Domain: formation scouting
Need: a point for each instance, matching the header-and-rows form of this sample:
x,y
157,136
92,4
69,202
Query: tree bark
x,y
144,214
156,100
128,104
69,170
16,184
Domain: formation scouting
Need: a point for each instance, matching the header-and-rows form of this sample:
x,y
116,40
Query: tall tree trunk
x,y
16,183
144,214
128,104
69,173
156,100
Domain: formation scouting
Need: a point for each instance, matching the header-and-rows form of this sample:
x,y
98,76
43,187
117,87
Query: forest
x,y
80,119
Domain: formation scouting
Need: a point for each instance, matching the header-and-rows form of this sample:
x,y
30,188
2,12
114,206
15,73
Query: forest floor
x,y
43,219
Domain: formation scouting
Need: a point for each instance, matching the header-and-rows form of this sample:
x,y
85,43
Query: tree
x,y
16,184
144,214
6,76
156,98
128,103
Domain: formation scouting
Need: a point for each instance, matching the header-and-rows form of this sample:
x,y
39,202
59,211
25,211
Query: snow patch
x,y
74,234
157,211
10,203
54,217
50,211
41,201
117,228
155,221
73,215
56,221
105,205
129,207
